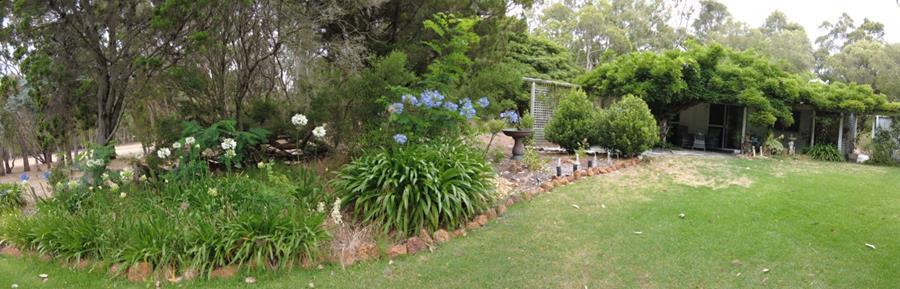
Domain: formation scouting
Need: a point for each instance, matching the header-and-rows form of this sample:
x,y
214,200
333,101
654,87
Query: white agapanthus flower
x,y
230,153
336,212
163,153
123,195
176,145
127,173
229,144
319,131
299,120
189,140
114,187
321,207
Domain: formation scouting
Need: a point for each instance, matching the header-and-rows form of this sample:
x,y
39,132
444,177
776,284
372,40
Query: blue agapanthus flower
x,y
484,102
431,98
510,116
451,106
466,109
400,138
411,99
397,108
24,177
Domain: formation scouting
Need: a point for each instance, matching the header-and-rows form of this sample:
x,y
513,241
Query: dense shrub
x,y
572,122
884,145
201,224
824,152
419,186
627,126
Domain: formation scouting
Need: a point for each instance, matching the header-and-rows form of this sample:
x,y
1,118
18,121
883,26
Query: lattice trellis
x,y
544,99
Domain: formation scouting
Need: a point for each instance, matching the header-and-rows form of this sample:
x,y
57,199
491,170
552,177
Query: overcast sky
x,y
811,13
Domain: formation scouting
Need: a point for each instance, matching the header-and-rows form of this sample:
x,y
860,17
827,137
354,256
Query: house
x,y
720,127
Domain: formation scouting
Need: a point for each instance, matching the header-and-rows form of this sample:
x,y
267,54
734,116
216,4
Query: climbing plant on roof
x,y
676,80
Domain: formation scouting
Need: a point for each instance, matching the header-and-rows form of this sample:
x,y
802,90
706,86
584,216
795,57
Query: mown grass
x,y
807,222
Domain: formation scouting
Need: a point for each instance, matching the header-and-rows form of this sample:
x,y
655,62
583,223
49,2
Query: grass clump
x,y
258,218
824,152
414,187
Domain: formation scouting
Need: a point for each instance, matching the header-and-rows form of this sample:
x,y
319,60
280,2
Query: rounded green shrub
x,y
422,186
572,122
627,126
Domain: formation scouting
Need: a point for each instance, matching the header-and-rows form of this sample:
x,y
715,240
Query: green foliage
x,y
348,112
11,196
200,224
212,137
532,160
455,37
773,144
627,126
825,152
572,122
94,160
542,58
269,114
527,121
885,143
420,186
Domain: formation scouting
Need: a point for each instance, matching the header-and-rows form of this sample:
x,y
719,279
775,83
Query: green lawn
x,y
807,222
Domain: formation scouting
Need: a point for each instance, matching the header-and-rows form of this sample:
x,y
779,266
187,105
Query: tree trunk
x,y
26,166
3,160
851,133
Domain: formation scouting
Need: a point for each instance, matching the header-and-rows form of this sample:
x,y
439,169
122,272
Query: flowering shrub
x,y
430,116
93,162
417,186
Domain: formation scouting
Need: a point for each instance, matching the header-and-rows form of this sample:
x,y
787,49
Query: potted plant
x,y
521,131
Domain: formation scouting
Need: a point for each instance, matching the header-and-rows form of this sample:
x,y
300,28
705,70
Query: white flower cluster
x,y
299,120
163,153
321,207
89,161
228,144
127,174
176,145
336,212
319,131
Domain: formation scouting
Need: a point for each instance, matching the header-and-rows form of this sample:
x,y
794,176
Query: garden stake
x,y
575,165
559,167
